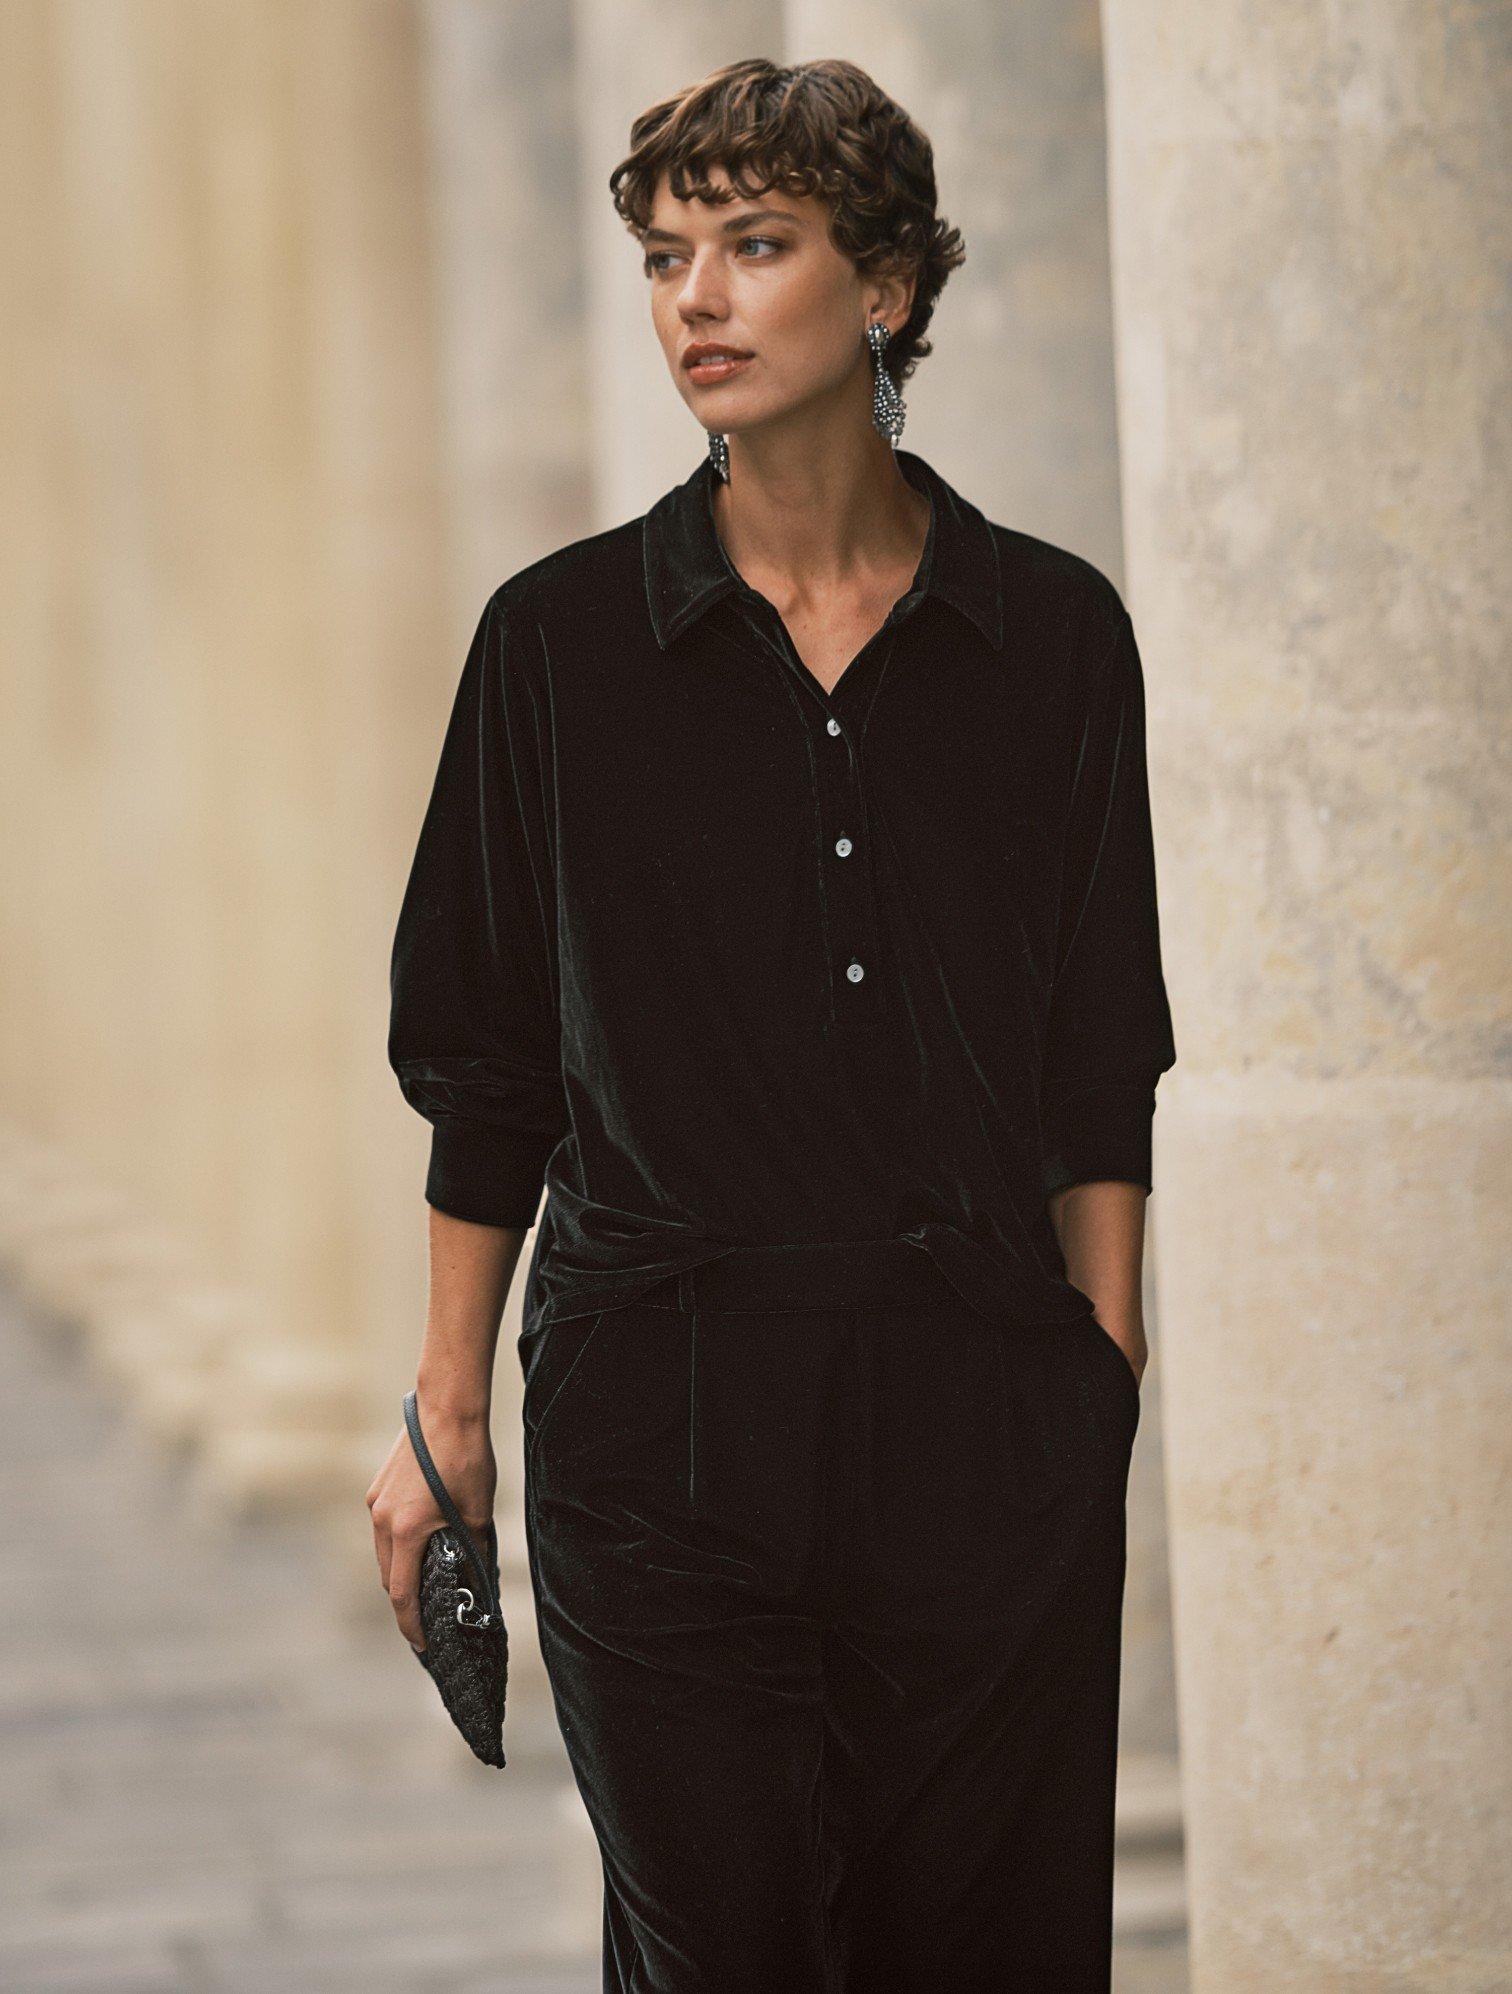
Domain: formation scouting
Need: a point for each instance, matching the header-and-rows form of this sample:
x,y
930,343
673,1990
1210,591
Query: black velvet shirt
x,y
719,958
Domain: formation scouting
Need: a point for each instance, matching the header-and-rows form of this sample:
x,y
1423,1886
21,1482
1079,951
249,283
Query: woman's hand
x,y
1133,1345
405,1513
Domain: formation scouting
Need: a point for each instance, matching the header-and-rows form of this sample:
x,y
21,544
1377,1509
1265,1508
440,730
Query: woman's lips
x,y
718,367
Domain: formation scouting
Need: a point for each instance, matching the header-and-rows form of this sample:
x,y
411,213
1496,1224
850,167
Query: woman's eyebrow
x,y
736,222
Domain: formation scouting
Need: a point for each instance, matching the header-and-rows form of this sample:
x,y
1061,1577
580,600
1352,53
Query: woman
x,y
785,905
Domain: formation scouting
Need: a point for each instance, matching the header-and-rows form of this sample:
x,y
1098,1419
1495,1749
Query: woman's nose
x,y
702,294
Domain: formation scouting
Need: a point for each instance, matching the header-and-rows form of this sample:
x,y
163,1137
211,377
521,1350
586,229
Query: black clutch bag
x,y
466,1650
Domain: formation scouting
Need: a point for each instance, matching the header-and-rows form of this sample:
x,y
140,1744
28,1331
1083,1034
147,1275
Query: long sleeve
x,y
1109,1034
473,1036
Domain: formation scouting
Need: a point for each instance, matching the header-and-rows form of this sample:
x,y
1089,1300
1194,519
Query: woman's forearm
x,y
1101,1227
471,1267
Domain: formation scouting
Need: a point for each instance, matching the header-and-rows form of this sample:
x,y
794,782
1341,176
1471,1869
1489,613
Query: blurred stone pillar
x,y
157,996
631,54
225,398
1311,220
38,552
105,947
1016,402
288,692
510,287
513,444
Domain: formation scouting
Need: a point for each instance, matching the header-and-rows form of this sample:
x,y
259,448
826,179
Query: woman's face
x,y
761,277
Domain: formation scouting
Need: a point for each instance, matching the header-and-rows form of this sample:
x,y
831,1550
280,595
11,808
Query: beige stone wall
x,y
227,561
1310,235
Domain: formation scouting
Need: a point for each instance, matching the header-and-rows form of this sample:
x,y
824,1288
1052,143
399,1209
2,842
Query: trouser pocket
x,y
1116,1390
1114,1356
1053,1432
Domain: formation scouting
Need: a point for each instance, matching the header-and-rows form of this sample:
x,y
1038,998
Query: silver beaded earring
x,y
888,410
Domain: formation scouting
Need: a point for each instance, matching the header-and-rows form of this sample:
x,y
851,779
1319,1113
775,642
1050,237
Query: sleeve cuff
x,y
487,1174
1099,1131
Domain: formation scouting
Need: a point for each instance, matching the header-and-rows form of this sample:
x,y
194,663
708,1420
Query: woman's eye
x,y
652,264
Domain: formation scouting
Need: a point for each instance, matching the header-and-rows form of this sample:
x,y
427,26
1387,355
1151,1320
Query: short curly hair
x,y
820,128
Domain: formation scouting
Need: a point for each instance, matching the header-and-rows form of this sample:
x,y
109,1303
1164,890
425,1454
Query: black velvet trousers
x,y
829,1589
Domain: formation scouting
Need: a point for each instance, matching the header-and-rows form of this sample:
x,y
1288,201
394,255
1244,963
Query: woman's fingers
x,y
379,1510
403,1519
404,1584
405,1515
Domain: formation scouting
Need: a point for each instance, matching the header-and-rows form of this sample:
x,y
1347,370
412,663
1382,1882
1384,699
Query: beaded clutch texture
x,y
466,1650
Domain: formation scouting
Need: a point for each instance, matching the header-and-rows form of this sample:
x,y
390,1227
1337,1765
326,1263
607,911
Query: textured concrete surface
x,y
213,1779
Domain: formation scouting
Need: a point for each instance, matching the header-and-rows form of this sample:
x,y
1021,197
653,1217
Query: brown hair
x,y
814,128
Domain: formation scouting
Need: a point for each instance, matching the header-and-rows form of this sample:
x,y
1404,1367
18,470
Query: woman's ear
x,y
893,296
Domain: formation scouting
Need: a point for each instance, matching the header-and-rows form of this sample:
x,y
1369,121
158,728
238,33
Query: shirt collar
x,y
687,569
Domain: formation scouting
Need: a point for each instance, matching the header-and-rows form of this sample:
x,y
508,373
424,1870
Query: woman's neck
x,y
815,521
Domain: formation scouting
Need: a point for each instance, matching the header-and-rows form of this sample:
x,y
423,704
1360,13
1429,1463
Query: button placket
x,y
848,887
852,921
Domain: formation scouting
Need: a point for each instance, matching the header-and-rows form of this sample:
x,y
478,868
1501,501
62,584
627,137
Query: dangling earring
x,y
888,411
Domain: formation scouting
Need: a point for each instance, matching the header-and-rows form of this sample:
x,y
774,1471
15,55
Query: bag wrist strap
x,y
444,1500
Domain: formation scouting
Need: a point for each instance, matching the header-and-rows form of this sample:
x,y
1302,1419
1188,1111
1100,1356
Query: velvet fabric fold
x,y
589,1258
831,1605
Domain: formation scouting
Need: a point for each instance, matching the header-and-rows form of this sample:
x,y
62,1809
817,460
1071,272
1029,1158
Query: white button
x,y
855,972
842,846
833,725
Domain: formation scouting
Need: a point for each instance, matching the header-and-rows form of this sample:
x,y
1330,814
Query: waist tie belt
x,y
825,1274
591,1256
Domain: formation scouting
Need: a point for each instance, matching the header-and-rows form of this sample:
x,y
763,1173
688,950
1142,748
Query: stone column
x,y
36,571
631,54
513,445
224,379
1311,218
1016,402
105,975
131,659
510,276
